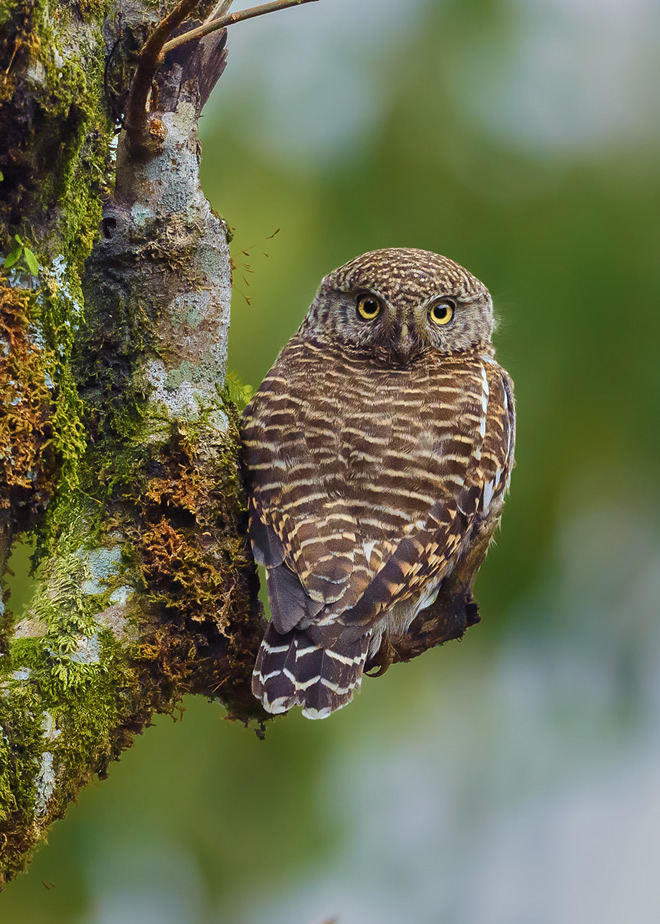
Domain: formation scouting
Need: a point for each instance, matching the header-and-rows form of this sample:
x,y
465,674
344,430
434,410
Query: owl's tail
x,y
292,670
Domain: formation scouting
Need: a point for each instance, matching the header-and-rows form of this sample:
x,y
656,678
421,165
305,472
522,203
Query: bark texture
x,y
118,444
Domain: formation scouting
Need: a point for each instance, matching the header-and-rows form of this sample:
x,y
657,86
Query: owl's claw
x,y
384,657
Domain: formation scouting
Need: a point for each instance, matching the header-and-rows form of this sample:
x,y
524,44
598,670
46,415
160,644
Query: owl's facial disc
x,y
400,303
386,330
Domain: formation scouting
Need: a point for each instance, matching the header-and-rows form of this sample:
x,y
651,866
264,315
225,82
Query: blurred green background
x,y
511,778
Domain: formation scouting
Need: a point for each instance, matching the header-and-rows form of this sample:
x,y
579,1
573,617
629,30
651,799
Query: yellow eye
x,y
441,313
368,307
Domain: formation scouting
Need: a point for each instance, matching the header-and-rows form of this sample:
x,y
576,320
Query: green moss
x,y
65,142
65,731
183,522
79,92
62,606
70,693
125,508
20,751
67,127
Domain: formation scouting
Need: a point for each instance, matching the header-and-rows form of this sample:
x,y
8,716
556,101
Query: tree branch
x,y
159,44
118,444
230,19
149,60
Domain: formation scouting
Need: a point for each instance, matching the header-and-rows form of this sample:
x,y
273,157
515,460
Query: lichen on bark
x,y
118,442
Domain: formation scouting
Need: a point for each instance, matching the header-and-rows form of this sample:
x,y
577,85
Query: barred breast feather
x,y
366,482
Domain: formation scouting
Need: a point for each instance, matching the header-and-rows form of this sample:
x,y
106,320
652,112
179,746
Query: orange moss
x,y
190,539
26,452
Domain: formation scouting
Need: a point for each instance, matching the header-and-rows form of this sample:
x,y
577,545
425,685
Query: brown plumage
x,y
378,450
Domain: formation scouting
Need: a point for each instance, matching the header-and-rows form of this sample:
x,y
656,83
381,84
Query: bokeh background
x,y
511,778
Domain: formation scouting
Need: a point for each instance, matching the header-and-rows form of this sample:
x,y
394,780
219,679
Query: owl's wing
x,y
472,468
455,609
300,528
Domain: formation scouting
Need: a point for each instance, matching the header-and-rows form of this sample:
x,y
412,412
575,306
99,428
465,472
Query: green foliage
x,y
240,394
20,251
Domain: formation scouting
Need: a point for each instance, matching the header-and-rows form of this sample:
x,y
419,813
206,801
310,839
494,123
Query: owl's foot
x,y
381,661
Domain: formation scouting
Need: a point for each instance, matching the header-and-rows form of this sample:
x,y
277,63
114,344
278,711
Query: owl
x,y
377,453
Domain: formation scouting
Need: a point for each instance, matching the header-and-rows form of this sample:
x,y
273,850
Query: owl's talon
x,y
380,670
382,660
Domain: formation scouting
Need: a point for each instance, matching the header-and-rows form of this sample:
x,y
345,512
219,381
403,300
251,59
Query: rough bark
x,y
118,444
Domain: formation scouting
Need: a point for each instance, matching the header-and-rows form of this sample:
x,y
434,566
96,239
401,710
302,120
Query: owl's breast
x,y
404,437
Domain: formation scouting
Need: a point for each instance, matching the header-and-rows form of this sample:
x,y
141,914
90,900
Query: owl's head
x,y
401,302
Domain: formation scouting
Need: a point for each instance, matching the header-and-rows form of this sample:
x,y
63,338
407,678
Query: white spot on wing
x,y
488,495
264,677
340,691
368,549
318,713
299,685
484,402
281,704
484,379
274,649
342,658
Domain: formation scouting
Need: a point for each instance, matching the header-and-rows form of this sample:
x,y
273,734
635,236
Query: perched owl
x,y
377,451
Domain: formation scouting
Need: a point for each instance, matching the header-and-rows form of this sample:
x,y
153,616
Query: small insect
x,y
378,451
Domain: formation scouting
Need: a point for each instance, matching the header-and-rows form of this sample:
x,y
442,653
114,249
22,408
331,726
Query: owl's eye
x,y
441,312
368,307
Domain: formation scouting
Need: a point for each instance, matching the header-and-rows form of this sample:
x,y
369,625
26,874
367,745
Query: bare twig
x,y
149,60
229,20
220,9
159,43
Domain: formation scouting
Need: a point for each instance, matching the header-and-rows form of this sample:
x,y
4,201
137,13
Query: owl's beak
x,y
406,344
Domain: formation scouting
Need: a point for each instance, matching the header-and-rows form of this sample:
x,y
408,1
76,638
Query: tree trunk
x,y
118,444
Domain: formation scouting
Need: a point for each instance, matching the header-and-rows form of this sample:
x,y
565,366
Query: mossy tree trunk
x,y
118,445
